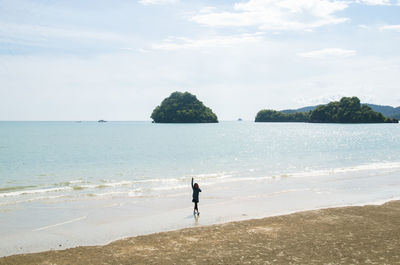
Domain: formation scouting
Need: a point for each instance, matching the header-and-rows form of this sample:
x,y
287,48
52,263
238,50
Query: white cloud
x,y
219,41
207,9
157,2
127,86
375,2
23,32
334,96
319,99
328,53
390,27
277,15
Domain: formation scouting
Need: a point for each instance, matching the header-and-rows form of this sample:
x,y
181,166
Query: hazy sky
x,y
116,60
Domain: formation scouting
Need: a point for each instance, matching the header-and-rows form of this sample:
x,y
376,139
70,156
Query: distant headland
x,y
347,110
183,108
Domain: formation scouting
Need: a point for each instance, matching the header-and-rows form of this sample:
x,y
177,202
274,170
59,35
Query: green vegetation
x,y
347,110
183,108
387,111
277,116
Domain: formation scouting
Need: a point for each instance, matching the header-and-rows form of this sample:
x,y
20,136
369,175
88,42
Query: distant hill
x,y
388,111
303,109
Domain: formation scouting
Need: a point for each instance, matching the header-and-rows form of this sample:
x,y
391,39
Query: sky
x,y
117,60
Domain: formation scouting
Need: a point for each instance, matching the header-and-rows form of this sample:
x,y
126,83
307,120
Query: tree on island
x,y
347,110
277,116
183,108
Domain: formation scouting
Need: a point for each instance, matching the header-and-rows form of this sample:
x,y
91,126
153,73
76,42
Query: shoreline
x,y
88,230
371,230
112,188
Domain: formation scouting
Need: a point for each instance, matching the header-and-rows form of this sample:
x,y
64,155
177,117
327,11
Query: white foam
x,y
76,181
159,184
25,192
116,184
359,168
32,199
213,175
111,193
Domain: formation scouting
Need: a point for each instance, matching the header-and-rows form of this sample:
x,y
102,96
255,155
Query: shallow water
x,y
66,183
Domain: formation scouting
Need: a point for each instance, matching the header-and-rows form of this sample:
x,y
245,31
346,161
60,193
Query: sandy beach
x,y
346,235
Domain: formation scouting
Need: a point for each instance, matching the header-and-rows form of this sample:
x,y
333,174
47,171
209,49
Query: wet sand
x,y
347,235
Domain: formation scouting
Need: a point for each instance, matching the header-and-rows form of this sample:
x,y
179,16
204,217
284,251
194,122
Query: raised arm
x,y
192,184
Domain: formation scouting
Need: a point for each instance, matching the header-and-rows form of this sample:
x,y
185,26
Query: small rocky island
x,y
183,108
347,110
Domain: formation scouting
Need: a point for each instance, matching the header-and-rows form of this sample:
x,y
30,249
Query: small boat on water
x,y
101,121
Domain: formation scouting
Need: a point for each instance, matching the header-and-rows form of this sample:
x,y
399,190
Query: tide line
x,y
63,223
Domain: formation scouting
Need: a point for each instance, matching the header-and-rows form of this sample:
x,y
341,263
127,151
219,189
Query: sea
x,y
66,184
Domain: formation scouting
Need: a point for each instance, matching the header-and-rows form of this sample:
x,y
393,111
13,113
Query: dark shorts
x,y
195,201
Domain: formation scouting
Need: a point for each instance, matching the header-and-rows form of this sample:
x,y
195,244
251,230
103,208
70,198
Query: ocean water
x,y
71,183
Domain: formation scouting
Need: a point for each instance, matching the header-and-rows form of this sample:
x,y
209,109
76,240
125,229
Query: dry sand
x,y
347,235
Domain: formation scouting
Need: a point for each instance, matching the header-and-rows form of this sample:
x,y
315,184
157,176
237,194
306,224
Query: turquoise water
x,y
71,158
69,177
48,154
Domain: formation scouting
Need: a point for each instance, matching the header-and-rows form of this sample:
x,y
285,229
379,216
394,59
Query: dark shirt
x,y
195,193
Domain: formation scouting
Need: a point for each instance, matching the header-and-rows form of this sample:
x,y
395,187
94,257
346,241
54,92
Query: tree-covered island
x,y
183,108
347,110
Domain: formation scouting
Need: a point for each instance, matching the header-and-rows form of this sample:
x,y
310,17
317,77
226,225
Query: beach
x,y
78,184
345,235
